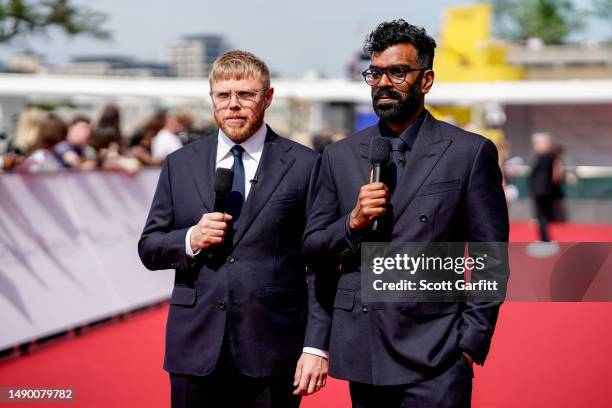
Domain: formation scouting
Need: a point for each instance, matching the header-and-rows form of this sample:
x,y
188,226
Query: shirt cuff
x,y
188,250
352,236
316,352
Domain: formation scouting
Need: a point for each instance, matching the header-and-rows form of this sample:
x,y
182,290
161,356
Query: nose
x,y
233,101
385,81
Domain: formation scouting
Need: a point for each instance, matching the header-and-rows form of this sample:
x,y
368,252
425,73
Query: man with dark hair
x,y
441,184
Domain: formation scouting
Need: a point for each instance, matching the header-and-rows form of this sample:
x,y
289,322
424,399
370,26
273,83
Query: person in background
x,y
167,140
74,152
40,157
321,140
27,130
25,136
110,151
541,182
559,213
140,144
110,117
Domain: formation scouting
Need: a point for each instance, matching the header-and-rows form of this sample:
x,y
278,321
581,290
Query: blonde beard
x,y
239,135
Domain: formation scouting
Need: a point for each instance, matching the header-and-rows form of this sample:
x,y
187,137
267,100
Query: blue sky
x,y
291,36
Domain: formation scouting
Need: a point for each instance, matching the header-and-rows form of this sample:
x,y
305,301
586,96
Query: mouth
x,y
386,99
235,120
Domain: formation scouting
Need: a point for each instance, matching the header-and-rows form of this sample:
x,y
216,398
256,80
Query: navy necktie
x,y
396,167
235,199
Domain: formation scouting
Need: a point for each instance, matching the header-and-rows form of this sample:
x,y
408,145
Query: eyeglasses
x,y
223,98
396,74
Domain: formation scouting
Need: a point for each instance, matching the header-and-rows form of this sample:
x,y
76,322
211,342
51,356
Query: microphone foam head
x,y
223,181
380,148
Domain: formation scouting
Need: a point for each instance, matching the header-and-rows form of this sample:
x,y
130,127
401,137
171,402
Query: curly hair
x,y
389,33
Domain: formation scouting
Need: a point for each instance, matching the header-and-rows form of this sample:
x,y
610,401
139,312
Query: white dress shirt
x,y
164,143
253,148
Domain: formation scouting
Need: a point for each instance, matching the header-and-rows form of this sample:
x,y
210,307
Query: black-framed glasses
x,y
396,74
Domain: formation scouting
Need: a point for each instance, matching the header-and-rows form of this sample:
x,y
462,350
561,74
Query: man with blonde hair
x,y
242,328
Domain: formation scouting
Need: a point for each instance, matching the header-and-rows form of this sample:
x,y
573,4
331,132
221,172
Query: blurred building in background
x,y
112,65
192,56
574,61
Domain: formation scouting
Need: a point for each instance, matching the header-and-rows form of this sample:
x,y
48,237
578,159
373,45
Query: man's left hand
x,y
310,374
468,358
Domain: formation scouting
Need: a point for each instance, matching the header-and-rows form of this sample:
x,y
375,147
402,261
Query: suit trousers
x,y
228,387
450,389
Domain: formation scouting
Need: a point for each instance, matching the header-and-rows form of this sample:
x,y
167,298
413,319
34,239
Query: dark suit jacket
x,y
541,177
450,191
255,288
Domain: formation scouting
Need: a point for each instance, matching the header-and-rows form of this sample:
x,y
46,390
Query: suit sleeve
x,y
326,230
487,223
318,326
161,245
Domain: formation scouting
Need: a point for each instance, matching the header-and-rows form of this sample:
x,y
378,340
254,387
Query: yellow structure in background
x,y
466,51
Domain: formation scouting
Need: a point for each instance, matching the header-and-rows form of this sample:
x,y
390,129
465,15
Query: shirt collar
x,y
409,135
253,146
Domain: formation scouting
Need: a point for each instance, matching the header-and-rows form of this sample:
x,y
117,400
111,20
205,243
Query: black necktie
x,y
396,167
235,199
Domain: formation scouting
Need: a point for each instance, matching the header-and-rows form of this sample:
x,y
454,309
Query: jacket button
x,y
364,308
404,311
423,218
221,305
230,260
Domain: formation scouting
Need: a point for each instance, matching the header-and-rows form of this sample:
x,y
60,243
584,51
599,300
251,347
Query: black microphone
x,y
223,186
380,148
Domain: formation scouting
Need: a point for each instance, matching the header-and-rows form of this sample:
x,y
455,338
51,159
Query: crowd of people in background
x,y
46,142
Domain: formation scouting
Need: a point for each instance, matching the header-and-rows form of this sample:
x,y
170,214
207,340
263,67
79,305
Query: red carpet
x,y
543,355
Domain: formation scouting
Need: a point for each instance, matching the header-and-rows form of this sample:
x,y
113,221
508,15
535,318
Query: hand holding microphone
x,y
211,228
372,199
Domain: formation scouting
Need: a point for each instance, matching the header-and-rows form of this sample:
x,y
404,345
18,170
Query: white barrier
x,y
68,251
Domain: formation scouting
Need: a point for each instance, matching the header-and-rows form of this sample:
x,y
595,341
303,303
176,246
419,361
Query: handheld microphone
x,y
380,148
223,186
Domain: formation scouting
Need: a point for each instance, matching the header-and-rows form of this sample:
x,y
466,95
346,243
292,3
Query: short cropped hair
x,y
390,33
238,64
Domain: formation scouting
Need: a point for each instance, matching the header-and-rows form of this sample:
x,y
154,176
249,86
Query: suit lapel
x,y
361,150
204,163
274,165
427,151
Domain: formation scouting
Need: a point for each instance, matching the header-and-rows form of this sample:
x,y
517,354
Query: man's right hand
x,y
210,230
371,203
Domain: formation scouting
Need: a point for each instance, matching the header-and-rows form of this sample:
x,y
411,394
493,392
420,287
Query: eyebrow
x,y
391,66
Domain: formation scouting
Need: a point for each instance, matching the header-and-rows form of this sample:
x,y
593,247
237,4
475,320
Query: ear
x,y
268,97
427,81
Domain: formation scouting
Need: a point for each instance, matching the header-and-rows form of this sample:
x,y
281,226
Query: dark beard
x,y
402,109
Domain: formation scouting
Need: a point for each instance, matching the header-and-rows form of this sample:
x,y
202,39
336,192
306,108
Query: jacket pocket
x,y
183,296
285,196
442,187
345,299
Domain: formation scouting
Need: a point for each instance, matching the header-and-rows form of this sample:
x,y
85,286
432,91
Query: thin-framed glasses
x,y
396,74
222,98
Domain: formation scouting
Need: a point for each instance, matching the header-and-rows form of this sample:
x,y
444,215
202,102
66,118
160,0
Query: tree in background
x,y
550,20
603,10
22,17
